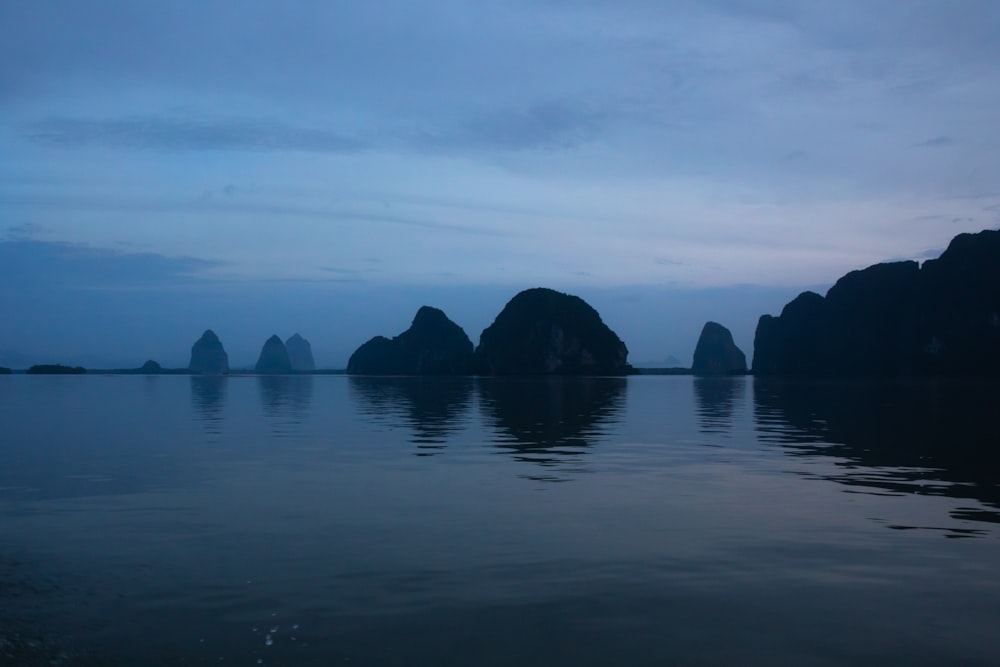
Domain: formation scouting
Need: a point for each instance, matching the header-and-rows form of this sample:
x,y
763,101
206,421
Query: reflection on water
x,y
550,421
286,400
717,400
931,438
208,398
433,407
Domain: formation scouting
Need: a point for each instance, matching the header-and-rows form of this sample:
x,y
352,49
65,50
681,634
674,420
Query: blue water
x,y
642,521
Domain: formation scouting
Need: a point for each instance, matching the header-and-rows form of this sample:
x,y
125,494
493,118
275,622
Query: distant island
x,y
941,318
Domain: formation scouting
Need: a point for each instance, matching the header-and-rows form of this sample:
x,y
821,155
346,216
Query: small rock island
x,y
716,352
433,345
544,332
300,353
208,357
273,359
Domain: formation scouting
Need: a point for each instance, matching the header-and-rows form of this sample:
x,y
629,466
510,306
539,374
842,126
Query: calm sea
x,y
333,520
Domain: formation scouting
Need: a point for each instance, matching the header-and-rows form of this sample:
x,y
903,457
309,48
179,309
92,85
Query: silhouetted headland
x,y
544,332
433,345
273,359
55,369
894,319
208,357
300,353
717,354
5,371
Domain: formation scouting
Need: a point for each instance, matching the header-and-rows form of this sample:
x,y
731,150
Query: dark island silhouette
x,y
300,353
5,371
273,359
717,354
544,332
894,319
208,357
433,345
55,369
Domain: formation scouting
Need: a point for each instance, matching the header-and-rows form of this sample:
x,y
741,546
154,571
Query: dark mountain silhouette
x,y
55,369
273,358
151,367
433,345
716,353
898,318
544,332
300,353
208,357
4,370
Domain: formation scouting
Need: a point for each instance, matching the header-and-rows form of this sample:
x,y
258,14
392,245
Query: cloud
x,y
937,142
162,133
27,264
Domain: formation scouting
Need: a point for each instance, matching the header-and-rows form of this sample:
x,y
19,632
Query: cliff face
x,y
716,352
300,353
273,358
896,318
208,357
544,332
433,345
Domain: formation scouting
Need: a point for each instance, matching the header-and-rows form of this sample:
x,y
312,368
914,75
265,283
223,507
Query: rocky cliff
x,y
208,357
716,352
273,358
300,353
544,332
433,345
899,318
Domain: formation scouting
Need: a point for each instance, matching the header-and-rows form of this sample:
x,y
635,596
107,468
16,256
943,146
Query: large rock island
x,y
273,358
544,332
208,357
716,352
433,345
895,319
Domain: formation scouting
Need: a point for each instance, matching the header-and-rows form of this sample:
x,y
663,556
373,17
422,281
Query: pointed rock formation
x,y
716,353
300,353
544,332
273,358
433,345
208,357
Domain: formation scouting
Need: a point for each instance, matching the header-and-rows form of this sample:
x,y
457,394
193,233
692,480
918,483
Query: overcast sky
x,y
330,166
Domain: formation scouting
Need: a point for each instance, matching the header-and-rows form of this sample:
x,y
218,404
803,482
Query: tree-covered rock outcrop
x,y
208,357
895,319
544,332
433,345
716,352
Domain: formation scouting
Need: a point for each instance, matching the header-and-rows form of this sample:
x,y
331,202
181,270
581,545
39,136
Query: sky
x,y
327,167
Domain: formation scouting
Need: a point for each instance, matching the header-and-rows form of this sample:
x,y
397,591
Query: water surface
x,y
641,521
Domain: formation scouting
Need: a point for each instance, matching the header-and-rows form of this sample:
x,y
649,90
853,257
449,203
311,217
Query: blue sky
x,y
328,167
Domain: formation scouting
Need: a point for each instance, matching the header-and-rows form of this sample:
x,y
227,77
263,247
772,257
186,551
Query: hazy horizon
x,y
330,167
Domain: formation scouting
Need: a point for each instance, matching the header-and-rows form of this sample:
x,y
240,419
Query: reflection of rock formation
x,y
286,400
551,420
922,437
434,408
300,353
717,400
208,398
